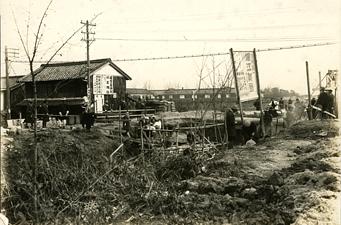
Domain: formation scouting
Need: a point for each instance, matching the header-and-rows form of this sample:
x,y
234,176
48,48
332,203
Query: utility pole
x,y
236,85
308,86
87,39
9,53
320,81
258,92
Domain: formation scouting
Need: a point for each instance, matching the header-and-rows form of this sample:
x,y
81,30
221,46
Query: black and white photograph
x,y
189,112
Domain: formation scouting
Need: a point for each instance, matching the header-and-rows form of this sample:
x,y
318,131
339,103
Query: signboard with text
x,y
246,76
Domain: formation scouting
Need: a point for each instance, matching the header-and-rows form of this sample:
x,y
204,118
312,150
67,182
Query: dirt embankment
x,y
284,180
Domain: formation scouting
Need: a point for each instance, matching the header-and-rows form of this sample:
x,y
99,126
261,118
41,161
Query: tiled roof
x,y
70,70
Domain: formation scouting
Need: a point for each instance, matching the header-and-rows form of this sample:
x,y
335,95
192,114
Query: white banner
x,y
103,84
246,76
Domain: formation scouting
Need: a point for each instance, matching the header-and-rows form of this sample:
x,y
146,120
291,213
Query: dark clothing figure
x,y
281,103
256,104
126,124
330,104
290,105
249,131
29,118
267,123
323,102
44,109
152,120
230,123
105,107
273,104
88,116
313,101
190,138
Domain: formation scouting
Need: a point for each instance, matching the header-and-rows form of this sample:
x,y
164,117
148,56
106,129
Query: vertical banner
x,y
246,76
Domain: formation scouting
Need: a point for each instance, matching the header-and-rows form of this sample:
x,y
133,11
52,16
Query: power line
x,y
201,55
219,40
223,53
283,26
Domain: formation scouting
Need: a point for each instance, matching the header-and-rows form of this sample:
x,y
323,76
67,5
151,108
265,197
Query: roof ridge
x,y
77,62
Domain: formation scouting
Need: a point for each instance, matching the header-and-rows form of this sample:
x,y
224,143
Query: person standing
x,y
281,104
267,123
230,124
29,117
330,105
126,124
256,104
63,113
322,102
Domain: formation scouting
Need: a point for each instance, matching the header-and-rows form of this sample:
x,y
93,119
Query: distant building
x,y
141,93
60,83
190,99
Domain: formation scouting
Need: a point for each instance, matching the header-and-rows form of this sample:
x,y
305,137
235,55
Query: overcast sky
x,y
183,27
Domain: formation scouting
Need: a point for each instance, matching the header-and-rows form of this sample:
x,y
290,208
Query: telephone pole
x,y
9,53
88,41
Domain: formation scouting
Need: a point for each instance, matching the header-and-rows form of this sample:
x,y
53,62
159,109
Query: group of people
x,y
249,130
87,117
43,111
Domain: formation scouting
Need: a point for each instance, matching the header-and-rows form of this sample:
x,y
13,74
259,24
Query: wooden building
x,y
66,83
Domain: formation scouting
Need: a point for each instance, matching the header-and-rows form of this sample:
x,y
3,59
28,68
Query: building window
x,y
219,96
207,96
182,96
170,97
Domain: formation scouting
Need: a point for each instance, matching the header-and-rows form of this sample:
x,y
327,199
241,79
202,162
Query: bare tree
x,y
31,56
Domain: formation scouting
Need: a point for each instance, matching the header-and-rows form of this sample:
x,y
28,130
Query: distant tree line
x,y
278,93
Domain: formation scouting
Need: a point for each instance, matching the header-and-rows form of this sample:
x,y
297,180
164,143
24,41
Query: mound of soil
x,y
314,129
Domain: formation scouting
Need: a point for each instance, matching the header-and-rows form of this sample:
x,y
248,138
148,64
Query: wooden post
x,y
119,123
258,92
236,85
320,81
308,86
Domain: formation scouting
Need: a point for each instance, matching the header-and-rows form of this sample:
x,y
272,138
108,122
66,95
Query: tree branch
x,y
20,36
37,39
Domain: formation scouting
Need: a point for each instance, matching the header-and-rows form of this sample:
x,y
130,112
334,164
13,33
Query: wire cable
x,y
201,55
